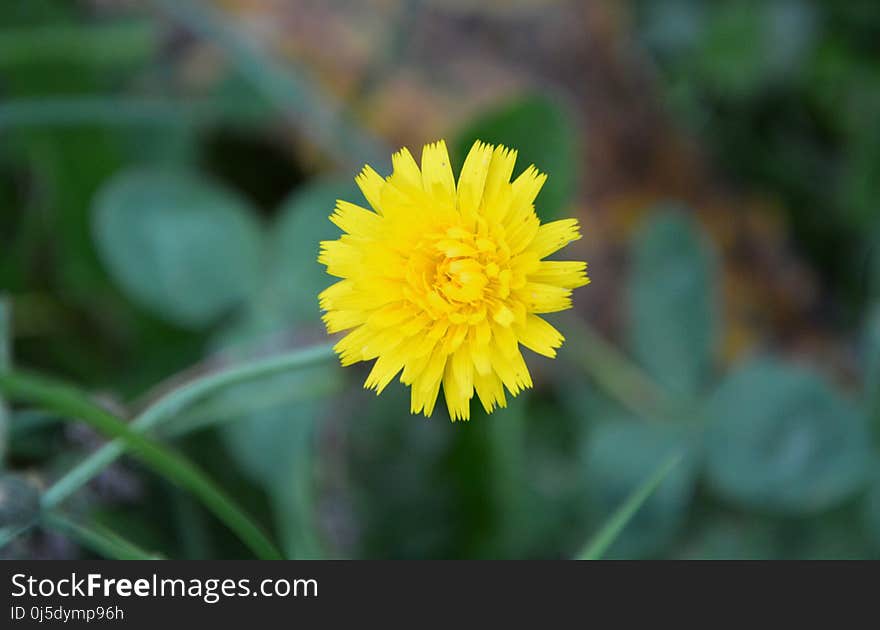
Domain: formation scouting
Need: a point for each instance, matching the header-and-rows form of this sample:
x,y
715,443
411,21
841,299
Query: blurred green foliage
x,y
134,250
673,316
611,477
785,95
782,440
183,248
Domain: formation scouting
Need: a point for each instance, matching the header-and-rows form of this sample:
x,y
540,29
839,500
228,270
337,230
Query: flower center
x,y
462,279
459,273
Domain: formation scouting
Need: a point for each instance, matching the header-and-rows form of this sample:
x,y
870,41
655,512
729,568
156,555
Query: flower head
x,y
444,282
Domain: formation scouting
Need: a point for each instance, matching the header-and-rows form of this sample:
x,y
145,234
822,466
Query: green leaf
x,y
177,244
782,440
672,315
295,277
619,457
544,134
73,405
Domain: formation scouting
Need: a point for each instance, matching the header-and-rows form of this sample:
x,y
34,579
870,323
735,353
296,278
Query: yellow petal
x,y
405,168
437,178
337,321
500,170
512,370
371,183
386,368
524,190
545,298
472,181
457,400
538,335
490,391
562,273
356,220
426,385
554,236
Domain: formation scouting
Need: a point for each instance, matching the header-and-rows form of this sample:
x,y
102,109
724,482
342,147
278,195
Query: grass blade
x,y
605,537
71,404
173,403
98,539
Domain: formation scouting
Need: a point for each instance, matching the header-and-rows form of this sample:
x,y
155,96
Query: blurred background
x,y
167,169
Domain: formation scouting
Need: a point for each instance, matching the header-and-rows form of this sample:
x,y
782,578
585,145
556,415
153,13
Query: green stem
x,y
173,403
98,539
213,413
71,404
605,537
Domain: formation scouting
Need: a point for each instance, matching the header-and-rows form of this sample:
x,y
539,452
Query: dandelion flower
x,y
442,283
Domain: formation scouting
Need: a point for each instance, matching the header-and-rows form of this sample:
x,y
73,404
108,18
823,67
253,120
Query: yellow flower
x,y
444,282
